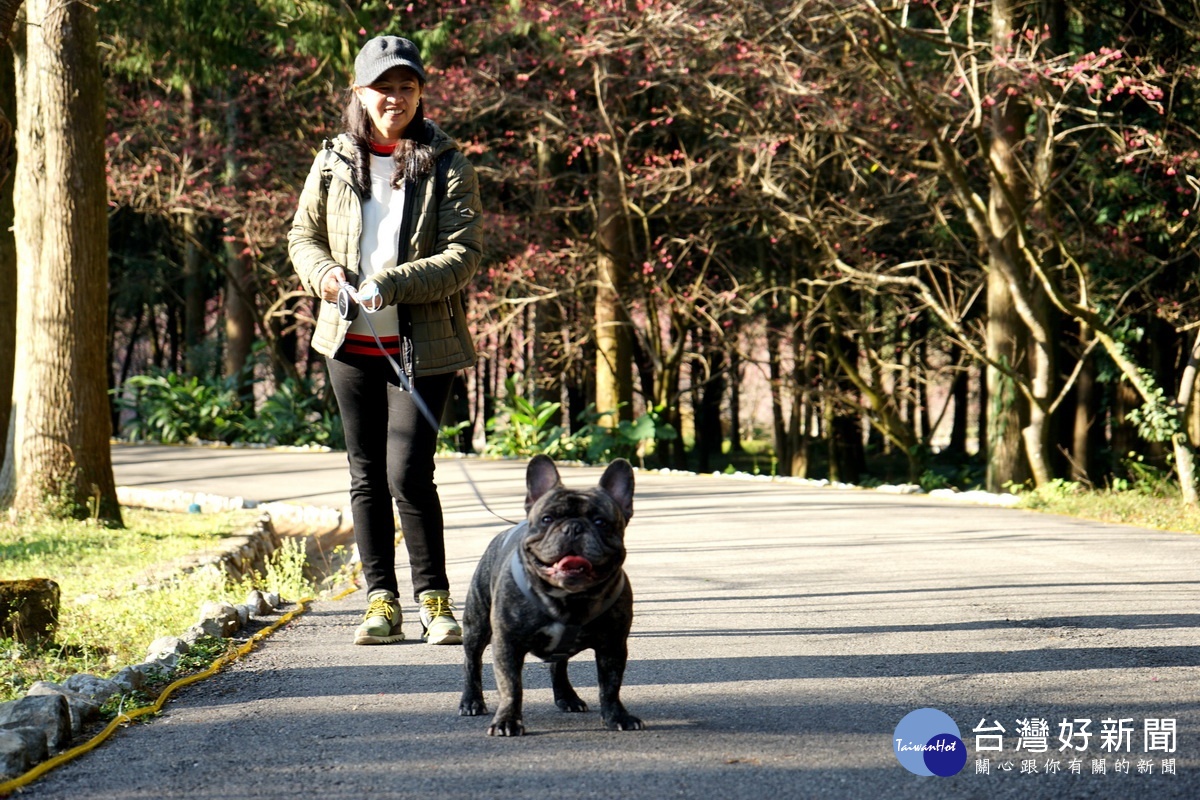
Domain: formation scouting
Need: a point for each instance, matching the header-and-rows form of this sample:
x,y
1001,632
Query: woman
x,y
391,207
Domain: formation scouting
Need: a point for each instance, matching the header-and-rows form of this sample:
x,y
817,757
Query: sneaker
x,y
381,624
437,618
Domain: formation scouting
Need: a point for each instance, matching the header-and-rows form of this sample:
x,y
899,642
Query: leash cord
x,y
475,489
405,383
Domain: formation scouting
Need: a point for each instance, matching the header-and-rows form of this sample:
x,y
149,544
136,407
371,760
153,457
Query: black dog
x,y
553,586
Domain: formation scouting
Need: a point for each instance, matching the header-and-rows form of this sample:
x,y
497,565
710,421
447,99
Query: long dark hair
x,y
413,155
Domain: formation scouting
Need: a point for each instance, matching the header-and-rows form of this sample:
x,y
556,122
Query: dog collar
x,y
514,566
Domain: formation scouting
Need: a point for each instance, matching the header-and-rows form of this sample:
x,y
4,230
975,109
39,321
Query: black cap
x,y
381,54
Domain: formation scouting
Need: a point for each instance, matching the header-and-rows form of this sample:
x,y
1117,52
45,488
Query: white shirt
x,y
383,214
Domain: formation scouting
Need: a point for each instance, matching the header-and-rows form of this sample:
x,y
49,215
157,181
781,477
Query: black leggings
x,y
390,447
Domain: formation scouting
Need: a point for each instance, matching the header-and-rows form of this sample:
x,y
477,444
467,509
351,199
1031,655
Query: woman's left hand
x,y
369,297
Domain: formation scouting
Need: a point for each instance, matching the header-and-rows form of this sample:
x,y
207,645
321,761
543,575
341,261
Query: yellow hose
x,y
41,769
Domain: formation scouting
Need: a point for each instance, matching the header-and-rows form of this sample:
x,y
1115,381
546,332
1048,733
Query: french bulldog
x,y
554,586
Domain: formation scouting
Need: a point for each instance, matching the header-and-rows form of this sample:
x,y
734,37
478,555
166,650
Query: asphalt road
x,y
782,634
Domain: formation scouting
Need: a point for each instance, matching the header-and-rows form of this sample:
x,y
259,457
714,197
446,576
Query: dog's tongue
x,y
573,564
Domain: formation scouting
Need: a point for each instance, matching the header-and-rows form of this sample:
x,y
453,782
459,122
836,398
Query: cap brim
x,y
382,67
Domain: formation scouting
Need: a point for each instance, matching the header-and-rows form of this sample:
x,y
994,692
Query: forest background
x,y
954,243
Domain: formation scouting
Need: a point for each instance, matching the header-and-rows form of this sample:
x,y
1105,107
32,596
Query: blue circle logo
x,y
927,742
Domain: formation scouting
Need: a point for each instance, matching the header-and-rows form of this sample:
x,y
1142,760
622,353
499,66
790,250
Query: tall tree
x,y
61,461
614,341
239,273
1007,339
8,244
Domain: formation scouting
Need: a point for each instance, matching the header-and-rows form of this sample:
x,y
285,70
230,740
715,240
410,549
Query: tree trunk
x,y
1082,434
1005,464
807,374
1185,457
172,344
489,369
284,343
1193,427
239,275
960,390
550,333
708,390
981,419
797,446
193,268
193,297
1124,436
62,460
1042,211
833,468
927,421
1185,463
1005,337
8,244
239,316
783,454
614,351
847,437
735,401
847,459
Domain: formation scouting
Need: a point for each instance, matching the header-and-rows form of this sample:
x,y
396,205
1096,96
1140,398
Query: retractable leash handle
x,y
347,303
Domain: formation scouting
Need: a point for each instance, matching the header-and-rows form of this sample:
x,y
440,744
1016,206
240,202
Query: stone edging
x,y
323,528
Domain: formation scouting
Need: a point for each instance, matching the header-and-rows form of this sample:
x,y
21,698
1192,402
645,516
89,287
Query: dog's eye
x,y
547,519
600,522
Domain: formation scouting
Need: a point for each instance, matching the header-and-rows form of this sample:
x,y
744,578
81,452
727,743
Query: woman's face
x,y
391,101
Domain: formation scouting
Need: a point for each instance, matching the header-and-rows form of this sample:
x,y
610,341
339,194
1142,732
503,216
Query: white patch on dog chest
x,y
555,631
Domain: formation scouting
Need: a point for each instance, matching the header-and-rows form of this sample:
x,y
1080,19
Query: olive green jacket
x,y
443,253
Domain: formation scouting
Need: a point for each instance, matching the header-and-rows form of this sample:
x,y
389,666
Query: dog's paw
x,y
507,727
571,704
624,722
471,707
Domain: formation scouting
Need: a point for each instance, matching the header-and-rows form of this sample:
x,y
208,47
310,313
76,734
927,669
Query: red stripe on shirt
x,y
365,345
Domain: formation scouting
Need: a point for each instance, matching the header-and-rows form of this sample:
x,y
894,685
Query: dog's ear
x,y
540,477
617,481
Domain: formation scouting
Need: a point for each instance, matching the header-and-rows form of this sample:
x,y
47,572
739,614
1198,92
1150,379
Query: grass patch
x,y
1161,509
89,560
106,621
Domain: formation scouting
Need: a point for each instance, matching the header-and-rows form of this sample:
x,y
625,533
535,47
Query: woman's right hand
x,y
331,283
